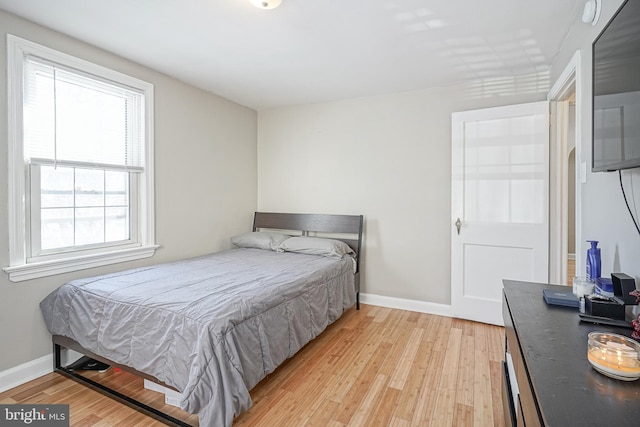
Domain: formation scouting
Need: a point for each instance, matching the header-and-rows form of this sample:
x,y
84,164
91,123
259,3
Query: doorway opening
x,y
566,165
571,229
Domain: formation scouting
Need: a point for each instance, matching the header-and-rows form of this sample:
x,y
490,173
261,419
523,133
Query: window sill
x,y
35,270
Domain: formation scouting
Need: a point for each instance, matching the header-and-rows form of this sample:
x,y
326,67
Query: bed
x,y
212,327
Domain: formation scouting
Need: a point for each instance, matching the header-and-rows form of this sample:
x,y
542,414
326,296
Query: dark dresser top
x,y
553,341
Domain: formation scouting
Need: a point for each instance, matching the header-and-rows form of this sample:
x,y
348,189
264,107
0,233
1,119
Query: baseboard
x,y
407,304
26,372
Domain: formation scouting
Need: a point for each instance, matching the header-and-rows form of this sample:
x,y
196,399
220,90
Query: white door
x,y
500,199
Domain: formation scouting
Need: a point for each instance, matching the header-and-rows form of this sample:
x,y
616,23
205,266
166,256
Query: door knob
x,y
458,225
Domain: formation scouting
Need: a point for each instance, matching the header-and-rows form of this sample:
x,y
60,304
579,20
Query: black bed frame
x,y
60,342
347,228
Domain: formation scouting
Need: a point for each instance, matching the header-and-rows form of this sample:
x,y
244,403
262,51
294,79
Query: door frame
x,y
569,80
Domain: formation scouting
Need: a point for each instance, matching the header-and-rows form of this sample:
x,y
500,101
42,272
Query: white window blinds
x,y
74,118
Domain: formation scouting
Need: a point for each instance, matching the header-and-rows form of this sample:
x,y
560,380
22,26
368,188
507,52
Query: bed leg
x,y
57,356
357,300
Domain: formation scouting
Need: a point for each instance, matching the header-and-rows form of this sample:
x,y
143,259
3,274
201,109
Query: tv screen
x,y
616,92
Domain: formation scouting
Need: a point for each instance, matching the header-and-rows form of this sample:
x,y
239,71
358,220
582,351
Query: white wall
x,y
604,214
386,157
205,166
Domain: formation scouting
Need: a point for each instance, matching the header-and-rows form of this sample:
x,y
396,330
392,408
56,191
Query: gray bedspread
x,y
212,326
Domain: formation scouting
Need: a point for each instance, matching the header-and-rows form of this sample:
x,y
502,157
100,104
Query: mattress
x,y
211,326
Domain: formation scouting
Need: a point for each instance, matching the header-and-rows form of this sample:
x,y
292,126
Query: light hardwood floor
x,y
373,367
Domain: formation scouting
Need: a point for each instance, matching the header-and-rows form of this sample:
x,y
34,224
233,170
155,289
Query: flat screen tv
x,y
616,92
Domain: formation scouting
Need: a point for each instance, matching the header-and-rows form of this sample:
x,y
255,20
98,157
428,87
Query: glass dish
x,y
614,355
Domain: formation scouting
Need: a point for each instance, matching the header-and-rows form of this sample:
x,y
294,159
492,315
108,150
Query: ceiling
x,y
314,51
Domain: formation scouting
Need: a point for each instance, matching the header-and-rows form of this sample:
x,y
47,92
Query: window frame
x,y
22,267
35,253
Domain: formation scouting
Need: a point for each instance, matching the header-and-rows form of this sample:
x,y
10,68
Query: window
x,y
80,164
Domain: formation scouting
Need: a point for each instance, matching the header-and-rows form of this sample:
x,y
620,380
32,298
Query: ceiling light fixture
x,y
591,12
266,4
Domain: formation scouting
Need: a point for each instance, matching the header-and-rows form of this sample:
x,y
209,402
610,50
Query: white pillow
x,y
259,240
315,246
